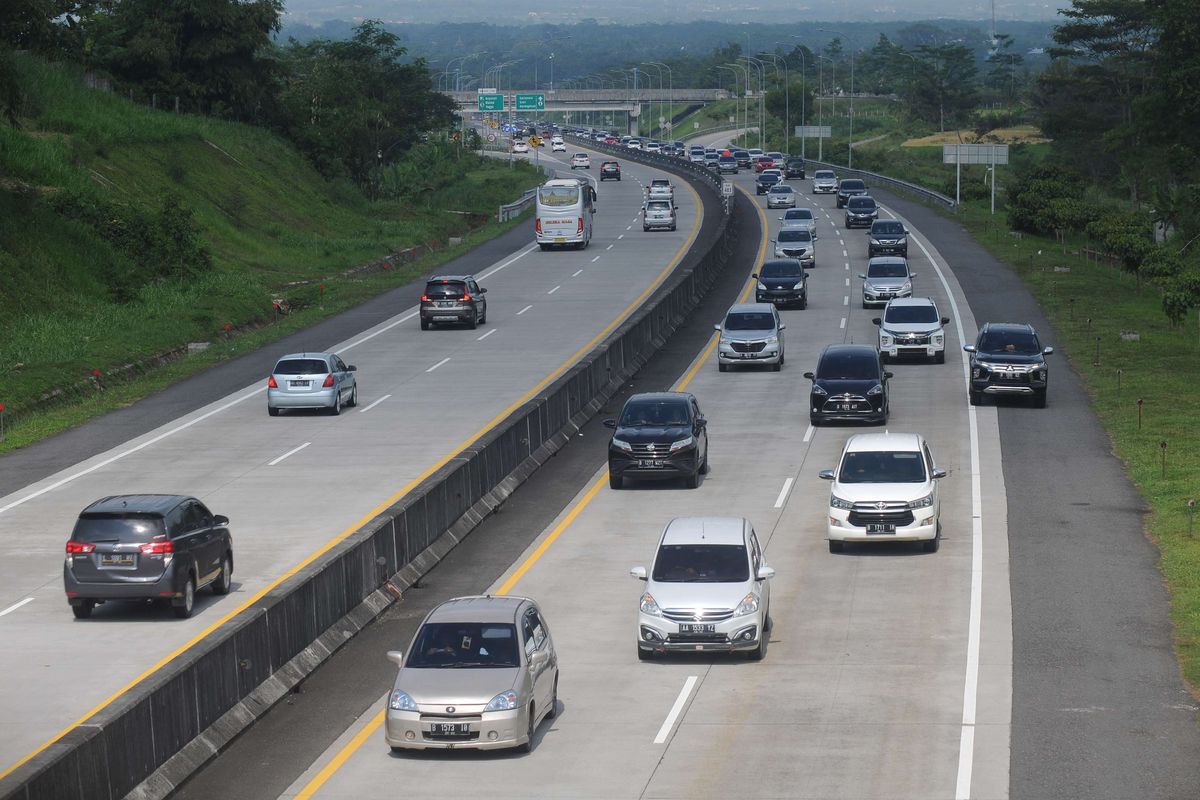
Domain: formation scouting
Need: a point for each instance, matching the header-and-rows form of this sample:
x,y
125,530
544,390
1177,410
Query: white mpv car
x,y
884,490
708,590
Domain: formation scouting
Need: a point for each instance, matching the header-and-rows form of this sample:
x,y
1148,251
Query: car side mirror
x,y
753,274
938,472
809,375
888,375
780,219
766,573
610,423
396,657
539,657
825,474
862,276
638,572
877,321
968,348
783,327
482,290
1047,351
716,327
945,320
220,519
351,368
701,423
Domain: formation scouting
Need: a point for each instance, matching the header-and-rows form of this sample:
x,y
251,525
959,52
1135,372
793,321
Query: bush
x,y
1033,201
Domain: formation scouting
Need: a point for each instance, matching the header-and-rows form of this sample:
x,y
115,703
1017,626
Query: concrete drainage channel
x,y
150,740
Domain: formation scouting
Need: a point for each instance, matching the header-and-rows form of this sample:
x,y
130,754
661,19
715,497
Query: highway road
x,y
889,670
293,485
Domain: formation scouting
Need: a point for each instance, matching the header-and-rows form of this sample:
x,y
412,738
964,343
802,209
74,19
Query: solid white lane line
x,y
787,486
808,434
523,310
15,606
594,260
515,258
555,289
846,300
843,325
377,402
435,366
373,334
489,333
575,274
63,482
291,452
676,709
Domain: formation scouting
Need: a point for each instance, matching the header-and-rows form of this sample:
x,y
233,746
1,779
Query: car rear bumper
x,y
823,190
319,398
161,588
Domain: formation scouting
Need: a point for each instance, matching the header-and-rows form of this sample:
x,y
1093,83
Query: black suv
x,y
765,180
610,171
743,159
453,298
847,188
861,210
147,547
849,384
888,237
659,435
1008,359
782,281
793,167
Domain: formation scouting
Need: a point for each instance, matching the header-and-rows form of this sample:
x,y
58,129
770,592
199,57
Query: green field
x,y
85,176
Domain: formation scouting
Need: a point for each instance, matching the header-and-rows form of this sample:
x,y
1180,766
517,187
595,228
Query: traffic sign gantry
x,y
491,102
531,102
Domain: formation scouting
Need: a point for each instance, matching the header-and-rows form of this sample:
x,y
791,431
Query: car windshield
x,y
750,321
887,229
1021,343
848,366
798,213
887,269
450,645
862,203
904,315
701,563
125,528
905,466
661,413
782,269
853,184
824,174
794,235
301,366
558,195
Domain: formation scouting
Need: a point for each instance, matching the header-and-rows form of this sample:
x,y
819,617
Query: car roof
x,y
710,530
136,503
912,301
887,260
659,396
753,308
478,608
789,261
883,442
448,278
290,356
1009,327
562,182
850,349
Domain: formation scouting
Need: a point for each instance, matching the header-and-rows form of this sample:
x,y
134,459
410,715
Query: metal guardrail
x,y
883,180
510,210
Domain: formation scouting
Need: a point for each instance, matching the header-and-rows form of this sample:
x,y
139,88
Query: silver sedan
x,y
480,673
781,196
311,380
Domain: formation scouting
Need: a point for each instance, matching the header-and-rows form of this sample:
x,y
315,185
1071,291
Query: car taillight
x,y
271,384
579,227
79,547
424,298
466,295
157,548
537,226
328,381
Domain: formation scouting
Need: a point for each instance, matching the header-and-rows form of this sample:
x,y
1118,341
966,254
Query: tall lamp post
x,y
743,77
821,100
670,88
659,72
760,66
787,101
850,143
803,95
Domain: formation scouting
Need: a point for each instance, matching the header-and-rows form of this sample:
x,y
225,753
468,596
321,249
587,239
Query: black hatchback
x,y
659,435
147,547
850,384
781,281
453,298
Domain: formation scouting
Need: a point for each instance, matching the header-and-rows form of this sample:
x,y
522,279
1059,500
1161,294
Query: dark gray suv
x,y
147,547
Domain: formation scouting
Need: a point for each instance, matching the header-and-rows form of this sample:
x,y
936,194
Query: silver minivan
x,y
658,214
751,333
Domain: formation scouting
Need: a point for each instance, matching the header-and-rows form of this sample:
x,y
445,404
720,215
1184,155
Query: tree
x,y
1002,76
945,86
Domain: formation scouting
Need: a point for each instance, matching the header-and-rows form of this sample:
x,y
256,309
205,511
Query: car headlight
x,y
649,606
837,502
884,339
622,445
762,287
876,389
749,605
875,241
1039,374
772,340
401,702
907,287
939,338
902,241
726,341
505,701
682,443
816,389
922,502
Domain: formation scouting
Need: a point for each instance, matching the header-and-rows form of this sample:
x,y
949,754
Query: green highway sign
x,y
491,102
531,102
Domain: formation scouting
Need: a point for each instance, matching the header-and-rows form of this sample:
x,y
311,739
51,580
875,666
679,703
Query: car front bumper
x,y
887,249
488,730
818,189
661,635
664,466
770,354
871,411
1014,388
781,296
320,398
788,203
880,297
923,528
854,221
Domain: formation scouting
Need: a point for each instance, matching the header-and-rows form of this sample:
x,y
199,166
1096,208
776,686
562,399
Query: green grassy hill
x,y
82,186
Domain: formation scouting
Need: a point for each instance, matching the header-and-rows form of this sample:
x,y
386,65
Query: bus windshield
x,y
560,196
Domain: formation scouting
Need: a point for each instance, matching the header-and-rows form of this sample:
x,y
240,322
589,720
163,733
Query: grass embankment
x,y
72,299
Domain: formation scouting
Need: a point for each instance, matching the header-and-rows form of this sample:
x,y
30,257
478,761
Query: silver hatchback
x,y
311,380
481,673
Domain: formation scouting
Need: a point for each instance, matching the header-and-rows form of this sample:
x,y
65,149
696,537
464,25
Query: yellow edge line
x,y
354,744
570,362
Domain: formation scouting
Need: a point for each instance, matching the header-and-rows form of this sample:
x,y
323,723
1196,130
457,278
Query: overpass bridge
x,y
605,101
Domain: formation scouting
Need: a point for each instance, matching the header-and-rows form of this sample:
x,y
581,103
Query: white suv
x,y
581,160
884,489
709,590
911,326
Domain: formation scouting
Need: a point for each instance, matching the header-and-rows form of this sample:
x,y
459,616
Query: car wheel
x,y
865,304
836,546
804,302
84,609
645,228
644,654
931,545
722,367
425,322
353,396
615,481
777,366
940,357
336,408
1039,399
474,323
692,481
224,581
814,420
975,397
553,712
543,245
758,653
527,747
672,227
183,609
273,411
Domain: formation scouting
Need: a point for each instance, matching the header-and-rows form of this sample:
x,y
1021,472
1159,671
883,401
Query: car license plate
x,y
881,527
445,304
847,406
449,728
560,239
299,384
117,560
689,627
747,355
445,319
649,463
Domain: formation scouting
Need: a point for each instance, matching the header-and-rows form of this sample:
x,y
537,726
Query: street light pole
x,y
850,143
670,88
803,96
760,67
787,102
